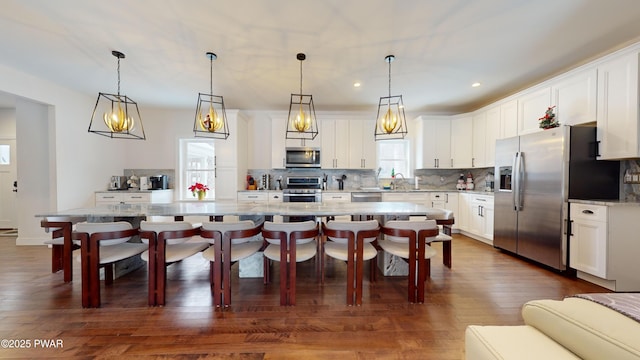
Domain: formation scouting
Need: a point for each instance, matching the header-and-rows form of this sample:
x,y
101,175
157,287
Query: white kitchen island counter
x,y
220,209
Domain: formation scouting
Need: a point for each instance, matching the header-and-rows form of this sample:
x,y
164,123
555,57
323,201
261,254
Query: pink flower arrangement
x,y
198,187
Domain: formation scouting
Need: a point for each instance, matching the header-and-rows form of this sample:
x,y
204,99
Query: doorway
x,y
8,186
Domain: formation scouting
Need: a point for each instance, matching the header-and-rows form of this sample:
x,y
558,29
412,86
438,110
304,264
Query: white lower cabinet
x,y
337,197
448,201
253,197
588,239
603,244
476,216
134,197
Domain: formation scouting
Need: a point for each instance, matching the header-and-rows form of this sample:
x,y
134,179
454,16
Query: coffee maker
x,y
159,182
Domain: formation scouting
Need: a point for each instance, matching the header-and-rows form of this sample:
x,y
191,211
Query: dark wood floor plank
x,y
485,286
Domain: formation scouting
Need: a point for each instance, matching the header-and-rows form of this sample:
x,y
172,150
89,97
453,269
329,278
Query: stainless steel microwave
x,y
302,157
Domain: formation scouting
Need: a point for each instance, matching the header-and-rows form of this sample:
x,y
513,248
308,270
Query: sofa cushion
x,y
511,342
590,330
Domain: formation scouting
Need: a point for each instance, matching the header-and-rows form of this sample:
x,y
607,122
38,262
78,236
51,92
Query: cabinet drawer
x,y
253,197
588,212
483,200
108,197
136,198
336,197
394,196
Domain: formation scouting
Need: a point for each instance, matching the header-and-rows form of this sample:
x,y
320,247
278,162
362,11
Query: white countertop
x,y
605,202
477,192
202,208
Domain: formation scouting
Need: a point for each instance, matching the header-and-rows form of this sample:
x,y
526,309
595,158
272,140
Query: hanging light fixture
x,y
301,123
120,115
391,122
211,116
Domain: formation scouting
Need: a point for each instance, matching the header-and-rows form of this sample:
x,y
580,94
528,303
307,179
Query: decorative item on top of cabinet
x,y
549,120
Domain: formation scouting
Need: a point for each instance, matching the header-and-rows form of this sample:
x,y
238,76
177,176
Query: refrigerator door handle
x,y
514,181
520,181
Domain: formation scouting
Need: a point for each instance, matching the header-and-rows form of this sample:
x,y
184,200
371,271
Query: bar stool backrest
x,y
288,228
224,226
160,226
90,228
409,225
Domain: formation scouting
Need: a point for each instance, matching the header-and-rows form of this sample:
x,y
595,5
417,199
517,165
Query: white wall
x,y
78,163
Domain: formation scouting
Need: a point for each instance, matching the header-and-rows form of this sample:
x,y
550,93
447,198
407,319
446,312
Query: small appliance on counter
x,y
118,183
159,182
144,183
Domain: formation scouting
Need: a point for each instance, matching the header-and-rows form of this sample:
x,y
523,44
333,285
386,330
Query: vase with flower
x,y
199,190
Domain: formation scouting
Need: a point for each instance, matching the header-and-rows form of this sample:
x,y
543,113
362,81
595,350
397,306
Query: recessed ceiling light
x,y
475,84
356,84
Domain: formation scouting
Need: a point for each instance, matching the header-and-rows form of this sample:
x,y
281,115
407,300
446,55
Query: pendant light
x,y
301,123
391,122
120,115
211,116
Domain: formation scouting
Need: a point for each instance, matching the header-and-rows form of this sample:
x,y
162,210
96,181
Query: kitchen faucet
x,y
402,183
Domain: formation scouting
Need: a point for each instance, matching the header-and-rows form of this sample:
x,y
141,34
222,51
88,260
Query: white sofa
x,y
573,328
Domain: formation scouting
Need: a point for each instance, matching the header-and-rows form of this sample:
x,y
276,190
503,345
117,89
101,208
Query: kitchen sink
x,y
370,188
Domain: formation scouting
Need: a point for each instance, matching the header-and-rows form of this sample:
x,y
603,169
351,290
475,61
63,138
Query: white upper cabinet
x,y
479,157
617,109
362,144
493,132
531,107
335,144
575,97
433,145
278,129
461,142
508,119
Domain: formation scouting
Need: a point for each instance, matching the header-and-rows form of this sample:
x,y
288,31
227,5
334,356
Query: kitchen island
x,y
215,209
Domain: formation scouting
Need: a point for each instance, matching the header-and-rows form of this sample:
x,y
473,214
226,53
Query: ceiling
x,y
441,48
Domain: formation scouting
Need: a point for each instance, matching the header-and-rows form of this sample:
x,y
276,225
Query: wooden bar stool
x,y
168,242
351,241
232,241
409,240
289,243
61,243
444,218
101,245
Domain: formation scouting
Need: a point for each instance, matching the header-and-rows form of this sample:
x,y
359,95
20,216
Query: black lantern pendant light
x,y
211,116
121,117
301,123
391,122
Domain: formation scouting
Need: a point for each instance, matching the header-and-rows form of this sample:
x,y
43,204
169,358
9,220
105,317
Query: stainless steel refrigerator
x,y
536,174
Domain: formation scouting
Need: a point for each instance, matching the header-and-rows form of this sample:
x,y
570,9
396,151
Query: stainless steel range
x,y
302,189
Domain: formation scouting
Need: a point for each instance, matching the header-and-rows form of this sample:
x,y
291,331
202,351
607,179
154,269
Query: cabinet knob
x,y
588,212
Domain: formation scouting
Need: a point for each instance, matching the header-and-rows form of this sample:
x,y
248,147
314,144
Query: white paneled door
x,y
8,178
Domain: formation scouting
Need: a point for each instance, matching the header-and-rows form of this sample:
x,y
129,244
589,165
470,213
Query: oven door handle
x,y
299,195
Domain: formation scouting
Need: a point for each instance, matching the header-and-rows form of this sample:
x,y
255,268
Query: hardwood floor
x,y
485,286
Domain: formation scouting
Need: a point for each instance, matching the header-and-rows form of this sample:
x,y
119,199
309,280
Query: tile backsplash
x,y
431,179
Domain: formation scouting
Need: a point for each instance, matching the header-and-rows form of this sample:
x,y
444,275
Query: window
x,y
197,164
394,154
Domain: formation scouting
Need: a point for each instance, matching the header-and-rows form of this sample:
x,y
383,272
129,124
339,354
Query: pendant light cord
x,y
301,78
211,75
389,77
118,76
